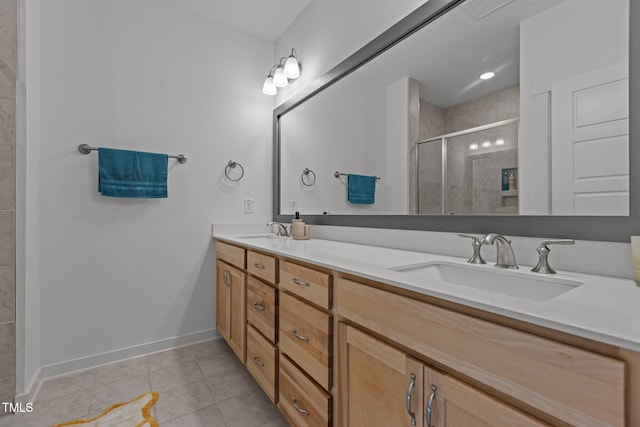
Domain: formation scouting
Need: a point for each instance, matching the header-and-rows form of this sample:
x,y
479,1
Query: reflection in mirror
x,y
547,135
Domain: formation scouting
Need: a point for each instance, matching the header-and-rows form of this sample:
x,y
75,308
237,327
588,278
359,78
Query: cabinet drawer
x,y
262,362
576,386
261,307
229,253
305,336
262,265
302,402
309,284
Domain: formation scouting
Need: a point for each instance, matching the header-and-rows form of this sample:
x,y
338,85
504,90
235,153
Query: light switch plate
x,y
248,206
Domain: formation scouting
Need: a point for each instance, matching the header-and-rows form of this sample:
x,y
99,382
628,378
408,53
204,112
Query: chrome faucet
x,y
476,258
282,229
543,251
505,257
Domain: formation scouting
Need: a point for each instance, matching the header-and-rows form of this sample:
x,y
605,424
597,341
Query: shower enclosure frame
x,y
443,139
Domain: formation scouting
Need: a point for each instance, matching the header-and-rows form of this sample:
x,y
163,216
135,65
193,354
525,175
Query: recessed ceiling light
x,y
487,75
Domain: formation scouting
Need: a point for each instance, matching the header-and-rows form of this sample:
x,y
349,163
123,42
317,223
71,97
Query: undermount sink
x,y
519,284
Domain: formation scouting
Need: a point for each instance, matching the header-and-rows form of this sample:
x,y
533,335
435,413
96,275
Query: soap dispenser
x,y
301,231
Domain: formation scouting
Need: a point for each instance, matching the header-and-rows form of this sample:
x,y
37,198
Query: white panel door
x,y
590,143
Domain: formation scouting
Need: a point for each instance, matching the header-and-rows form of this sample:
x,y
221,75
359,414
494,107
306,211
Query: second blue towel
x,y
361,189
125,173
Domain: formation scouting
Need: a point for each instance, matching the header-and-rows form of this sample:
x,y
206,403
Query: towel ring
x,y
310,177
230,166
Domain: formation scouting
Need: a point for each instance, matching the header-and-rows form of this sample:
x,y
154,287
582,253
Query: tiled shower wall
x,y
8,49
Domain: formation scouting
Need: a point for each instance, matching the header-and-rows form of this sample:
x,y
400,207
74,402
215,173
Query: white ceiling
x,y
449,55
266,19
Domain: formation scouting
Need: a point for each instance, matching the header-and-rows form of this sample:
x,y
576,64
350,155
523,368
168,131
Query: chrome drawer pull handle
x,y
257,306
257,361
430,405
408,400
294,402
227,274
299,282
300,337
258,266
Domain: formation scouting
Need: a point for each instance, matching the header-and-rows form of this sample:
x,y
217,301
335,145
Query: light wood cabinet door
x,y
379,384
231,315
223,300
449,402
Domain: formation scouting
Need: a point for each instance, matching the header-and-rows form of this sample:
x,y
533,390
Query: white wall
x,y
120,277
329,31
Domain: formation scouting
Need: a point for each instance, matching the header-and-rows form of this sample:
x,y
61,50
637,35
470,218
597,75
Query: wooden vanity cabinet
x,y
383,386
473,369
231,307
556,382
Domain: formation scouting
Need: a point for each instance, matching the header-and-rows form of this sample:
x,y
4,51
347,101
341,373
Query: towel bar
x,y
339,174
86,149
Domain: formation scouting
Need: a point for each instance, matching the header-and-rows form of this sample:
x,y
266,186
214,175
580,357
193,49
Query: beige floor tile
x,y
231,384
169,358
122,370
251,409
184,400
280,422
62,386
219,363
207,417
66,408
175,376
208,348
105,395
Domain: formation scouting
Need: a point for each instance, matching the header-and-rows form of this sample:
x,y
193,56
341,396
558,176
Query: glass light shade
x,y
268,88
291,68
279,79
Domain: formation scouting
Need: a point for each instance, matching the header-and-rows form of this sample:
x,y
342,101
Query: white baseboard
x,y
89,362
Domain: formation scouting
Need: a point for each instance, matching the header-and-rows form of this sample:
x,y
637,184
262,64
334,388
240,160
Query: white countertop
x,y
604,309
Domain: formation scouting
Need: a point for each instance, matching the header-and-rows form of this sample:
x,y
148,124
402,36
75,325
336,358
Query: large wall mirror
x,y
505,115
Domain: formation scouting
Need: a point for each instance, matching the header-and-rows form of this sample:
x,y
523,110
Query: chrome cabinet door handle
x,y
412,414
300,337
258,307
299,282
257,361
227,273
430,404
294,402
258,266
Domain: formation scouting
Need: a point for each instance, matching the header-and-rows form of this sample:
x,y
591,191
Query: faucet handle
x,y
476,243
543,250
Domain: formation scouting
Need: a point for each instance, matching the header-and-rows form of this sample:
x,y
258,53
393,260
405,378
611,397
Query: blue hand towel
x,y
361,189
124,173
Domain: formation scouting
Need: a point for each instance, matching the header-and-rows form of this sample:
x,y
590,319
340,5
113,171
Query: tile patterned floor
x,y
203,385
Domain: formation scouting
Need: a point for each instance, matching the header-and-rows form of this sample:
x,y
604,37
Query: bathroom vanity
x,y
341,334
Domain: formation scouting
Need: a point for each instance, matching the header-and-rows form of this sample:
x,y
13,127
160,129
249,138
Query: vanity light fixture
x,y
473,146
499,141
269,88
486,144
282,74
488,75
